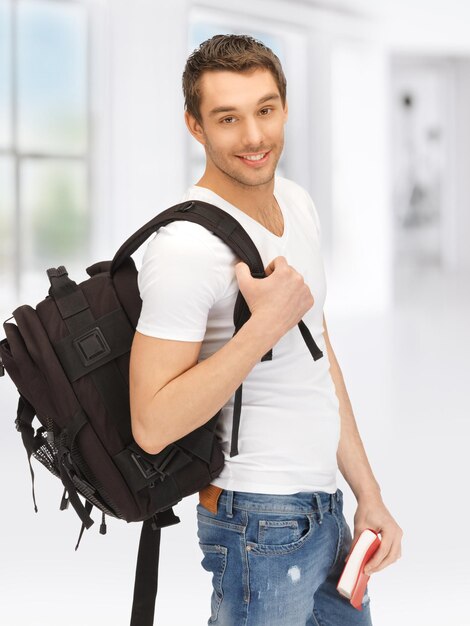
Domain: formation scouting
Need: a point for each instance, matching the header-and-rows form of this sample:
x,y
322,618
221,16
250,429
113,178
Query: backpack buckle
x,y
185,207
149,469
145,468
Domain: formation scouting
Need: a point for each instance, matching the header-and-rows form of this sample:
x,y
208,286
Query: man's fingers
x,y
389,552
279,260
391,558
379,556
242,271
269,269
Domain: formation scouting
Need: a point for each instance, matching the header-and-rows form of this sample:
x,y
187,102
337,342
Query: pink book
x,y
353,581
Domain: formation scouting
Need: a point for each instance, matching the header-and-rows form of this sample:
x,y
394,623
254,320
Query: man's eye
x,y
227,120
266,110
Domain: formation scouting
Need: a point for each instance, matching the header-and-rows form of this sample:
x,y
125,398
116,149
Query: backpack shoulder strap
x,y
221,224
208,215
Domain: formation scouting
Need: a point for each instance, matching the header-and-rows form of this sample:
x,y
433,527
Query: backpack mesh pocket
x,y
46,453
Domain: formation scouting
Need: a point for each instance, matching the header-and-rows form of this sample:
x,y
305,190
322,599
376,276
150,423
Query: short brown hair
x,y
235,53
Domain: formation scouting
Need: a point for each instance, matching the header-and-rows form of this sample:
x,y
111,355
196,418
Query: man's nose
x,y
252,134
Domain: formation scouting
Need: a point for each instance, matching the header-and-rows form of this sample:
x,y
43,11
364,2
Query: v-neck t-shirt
x,y
289,423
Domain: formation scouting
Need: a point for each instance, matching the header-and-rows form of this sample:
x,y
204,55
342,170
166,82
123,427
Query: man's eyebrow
x,y
227,109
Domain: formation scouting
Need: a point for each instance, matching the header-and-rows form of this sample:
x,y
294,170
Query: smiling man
x,y
271,525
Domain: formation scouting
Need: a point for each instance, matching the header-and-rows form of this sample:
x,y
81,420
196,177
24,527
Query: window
x,y
44,142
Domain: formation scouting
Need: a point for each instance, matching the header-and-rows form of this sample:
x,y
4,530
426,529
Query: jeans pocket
x,y
278,534
215,562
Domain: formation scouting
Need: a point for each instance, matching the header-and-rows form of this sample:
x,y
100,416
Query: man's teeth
x,y
255,158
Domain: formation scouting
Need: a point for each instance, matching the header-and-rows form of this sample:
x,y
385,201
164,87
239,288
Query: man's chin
x,y
256,179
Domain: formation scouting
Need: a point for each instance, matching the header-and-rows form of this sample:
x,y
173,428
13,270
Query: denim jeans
x,y
275,560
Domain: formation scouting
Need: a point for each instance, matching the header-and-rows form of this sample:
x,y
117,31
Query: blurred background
x,y
93,144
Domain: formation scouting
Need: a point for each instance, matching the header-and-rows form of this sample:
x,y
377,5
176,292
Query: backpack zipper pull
x,y
103,525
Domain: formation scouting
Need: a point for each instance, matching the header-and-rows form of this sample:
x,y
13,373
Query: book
x,y
353,581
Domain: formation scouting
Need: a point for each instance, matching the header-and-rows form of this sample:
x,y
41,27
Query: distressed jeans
x,y
275,560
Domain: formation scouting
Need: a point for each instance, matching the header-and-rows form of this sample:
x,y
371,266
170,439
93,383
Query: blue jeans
x,y
276,559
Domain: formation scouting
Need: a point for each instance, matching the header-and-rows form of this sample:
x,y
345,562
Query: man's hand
x,y
280,300
372,513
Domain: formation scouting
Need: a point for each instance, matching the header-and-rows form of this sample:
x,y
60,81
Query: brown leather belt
x,y
209,496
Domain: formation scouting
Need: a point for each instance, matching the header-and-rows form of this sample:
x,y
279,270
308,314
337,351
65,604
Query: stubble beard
x,y
257,178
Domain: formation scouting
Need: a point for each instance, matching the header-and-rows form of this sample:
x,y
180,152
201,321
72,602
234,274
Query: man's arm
x,y
171,394
354,466
179,395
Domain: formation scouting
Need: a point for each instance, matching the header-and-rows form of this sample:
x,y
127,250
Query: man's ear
x,y
194,128
286,112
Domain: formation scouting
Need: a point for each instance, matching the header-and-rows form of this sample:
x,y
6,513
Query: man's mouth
x,y
258,158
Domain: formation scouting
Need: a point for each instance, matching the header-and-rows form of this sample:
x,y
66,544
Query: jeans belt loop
x,y
319,506
229,503
332,502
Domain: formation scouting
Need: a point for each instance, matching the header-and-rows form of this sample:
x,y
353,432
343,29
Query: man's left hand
x,y
372,513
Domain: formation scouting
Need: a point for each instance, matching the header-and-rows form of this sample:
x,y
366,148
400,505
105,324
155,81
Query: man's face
x,y
242,125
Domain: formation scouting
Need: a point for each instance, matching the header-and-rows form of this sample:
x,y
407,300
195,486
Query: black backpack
x,y
69,359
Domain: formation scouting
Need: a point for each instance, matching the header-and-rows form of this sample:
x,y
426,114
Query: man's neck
x,y
250,199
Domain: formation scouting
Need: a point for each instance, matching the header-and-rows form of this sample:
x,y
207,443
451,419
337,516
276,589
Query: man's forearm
x,y
352,459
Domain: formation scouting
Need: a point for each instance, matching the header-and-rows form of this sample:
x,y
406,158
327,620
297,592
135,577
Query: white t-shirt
x,y
289,423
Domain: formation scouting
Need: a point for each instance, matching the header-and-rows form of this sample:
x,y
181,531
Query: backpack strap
x,y
146,574
208,215
24,418
221,224
32,442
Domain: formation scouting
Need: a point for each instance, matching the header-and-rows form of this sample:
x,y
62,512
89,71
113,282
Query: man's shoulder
x,y
182,234
193,238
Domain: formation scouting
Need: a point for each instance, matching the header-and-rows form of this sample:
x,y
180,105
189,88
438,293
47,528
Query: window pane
x,y
54,228
52,76
5,77
7,236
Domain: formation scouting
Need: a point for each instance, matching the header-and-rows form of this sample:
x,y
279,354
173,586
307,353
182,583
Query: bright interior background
x,y
93,144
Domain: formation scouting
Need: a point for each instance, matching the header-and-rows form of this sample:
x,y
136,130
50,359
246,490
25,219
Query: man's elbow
x,y
144,438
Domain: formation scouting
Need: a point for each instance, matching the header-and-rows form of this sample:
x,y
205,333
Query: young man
x,y
271,525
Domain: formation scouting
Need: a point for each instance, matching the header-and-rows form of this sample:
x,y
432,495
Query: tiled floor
x,y
408,377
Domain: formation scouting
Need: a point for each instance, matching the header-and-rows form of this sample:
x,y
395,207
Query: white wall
x,y
361,272
417,26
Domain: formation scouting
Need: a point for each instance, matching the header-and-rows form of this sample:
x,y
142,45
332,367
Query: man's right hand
x,y
280,300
